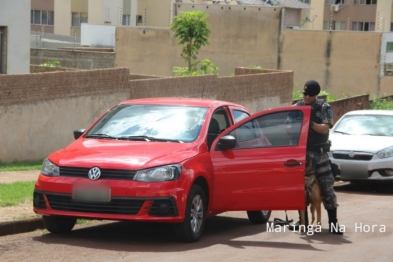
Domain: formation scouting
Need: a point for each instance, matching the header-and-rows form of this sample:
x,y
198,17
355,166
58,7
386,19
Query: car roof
x,y
200,102
371,112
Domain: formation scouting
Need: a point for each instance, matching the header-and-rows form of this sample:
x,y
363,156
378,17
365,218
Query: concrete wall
x,y
386,86
316,15
156,13
74,59
62,9
39,112
105,12
98,35
256,90
240,36
383,15
344,63
15,15
96,13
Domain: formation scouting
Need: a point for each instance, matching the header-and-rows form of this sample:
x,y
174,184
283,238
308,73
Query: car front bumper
x,y
130,200
373,169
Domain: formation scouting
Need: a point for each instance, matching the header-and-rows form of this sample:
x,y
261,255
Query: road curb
x,y
20,226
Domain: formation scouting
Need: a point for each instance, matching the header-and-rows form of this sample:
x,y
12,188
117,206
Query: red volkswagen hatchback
x,y
176,160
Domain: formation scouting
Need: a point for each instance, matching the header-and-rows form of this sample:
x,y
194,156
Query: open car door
x,y
259,163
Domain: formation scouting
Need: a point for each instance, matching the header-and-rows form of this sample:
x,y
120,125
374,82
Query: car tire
x,y
195,216
59,224
259,217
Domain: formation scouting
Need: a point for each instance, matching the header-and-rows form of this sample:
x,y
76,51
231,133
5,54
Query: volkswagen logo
x,y
94,173
351,154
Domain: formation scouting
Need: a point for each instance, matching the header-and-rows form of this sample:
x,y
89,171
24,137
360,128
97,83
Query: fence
x,y
40,39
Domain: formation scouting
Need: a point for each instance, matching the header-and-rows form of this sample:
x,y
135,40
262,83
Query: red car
x,y
176,160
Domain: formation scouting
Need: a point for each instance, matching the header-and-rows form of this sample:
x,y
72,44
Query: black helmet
x,y
311,88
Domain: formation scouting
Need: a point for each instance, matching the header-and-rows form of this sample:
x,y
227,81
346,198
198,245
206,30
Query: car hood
x,y
360,143
116,154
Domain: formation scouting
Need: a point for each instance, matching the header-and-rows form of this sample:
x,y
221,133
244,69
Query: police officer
x,y
317,147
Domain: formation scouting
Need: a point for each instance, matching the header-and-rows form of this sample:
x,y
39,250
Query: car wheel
x,y
194,222
259,217
59,224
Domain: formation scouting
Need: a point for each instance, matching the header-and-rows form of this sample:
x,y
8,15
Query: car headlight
x,y
385,153
159,174
49,169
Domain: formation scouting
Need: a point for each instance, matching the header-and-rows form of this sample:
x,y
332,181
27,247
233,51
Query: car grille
x,y
356,156
117,205
105,173
161,206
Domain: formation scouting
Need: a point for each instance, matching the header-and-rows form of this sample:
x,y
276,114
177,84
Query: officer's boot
x,y
334,227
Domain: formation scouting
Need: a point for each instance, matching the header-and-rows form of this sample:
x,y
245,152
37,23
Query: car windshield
x,y
373,125
150,123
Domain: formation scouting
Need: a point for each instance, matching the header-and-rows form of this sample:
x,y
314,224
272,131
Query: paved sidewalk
x,y
15,176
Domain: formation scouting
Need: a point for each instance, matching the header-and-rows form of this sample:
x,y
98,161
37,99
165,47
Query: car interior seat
x,y
213,131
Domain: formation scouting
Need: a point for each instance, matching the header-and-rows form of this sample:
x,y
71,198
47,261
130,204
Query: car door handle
x,y
293,163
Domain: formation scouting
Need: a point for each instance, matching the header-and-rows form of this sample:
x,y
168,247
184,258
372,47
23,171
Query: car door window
x,y
218,123
239,115
272,130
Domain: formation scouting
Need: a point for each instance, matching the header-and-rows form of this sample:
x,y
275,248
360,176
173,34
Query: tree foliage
x,y
192,31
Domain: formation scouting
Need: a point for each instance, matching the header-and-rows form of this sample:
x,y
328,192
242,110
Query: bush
x,y
381,103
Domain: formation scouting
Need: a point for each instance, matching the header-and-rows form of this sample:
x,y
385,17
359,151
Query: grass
x,y
20,165
15,193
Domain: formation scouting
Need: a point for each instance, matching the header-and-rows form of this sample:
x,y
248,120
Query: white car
x,y
362,145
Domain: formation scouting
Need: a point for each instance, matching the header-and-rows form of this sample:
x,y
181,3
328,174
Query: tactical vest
x,y
315,139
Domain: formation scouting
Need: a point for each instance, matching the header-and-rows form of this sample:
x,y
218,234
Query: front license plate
x,y
91,194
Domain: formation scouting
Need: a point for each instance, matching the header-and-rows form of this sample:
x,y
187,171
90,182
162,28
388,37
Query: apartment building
x,y
64,17
358,15
14,37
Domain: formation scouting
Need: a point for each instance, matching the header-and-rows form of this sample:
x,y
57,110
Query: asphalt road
x,y
365,213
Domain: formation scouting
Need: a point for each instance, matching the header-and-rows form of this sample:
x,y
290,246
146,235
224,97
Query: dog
x,y
313,197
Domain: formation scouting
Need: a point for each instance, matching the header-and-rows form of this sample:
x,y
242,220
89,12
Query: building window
x,y
126,20
3,50
51,18
138,19
44,17
365,2
40,17
305,1
36,17
78,18
363,26
336,2
335,25
389,47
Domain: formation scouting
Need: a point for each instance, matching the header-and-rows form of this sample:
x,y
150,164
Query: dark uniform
x,y
317,148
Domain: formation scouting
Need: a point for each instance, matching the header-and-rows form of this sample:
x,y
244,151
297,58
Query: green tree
x,y
191,30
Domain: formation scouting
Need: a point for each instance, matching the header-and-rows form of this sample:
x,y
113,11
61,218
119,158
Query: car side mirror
x,y
78,133
227,142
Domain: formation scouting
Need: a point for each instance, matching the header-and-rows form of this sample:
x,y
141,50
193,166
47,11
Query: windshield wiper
x,y
341,132
105,136
373,135
148,139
